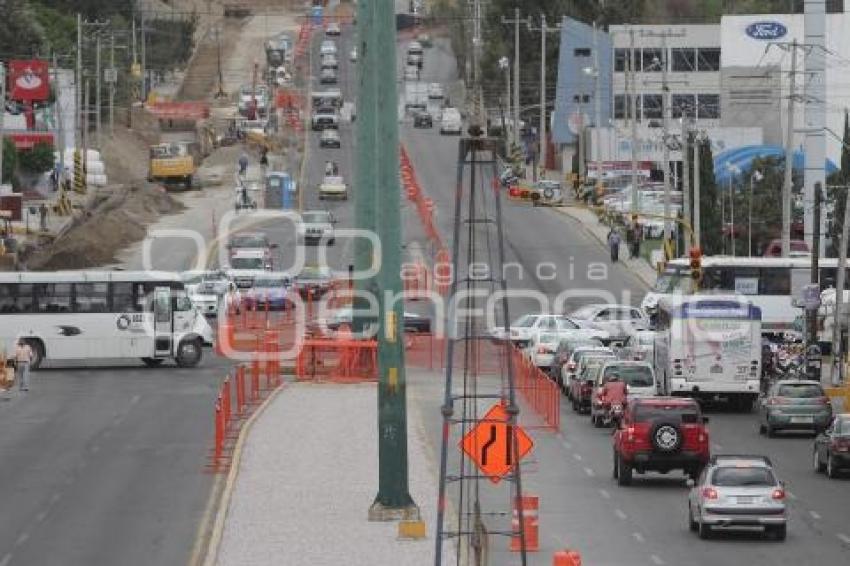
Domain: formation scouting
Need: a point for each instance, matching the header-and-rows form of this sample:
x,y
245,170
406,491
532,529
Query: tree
x,y
709,202
836,188
10,160
38,159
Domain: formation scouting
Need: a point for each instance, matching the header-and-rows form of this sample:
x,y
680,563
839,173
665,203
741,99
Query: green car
x,y
794,404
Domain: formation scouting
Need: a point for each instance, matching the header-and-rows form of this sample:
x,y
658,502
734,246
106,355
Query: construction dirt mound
x,y
118,217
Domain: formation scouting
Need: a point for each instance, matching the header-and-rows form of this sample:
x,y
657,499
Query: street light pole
x,y
756,176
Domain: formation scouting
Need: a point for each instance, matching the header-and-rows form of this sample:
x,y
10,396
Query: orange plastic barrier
x,y
540,392
566,558
337,360
529,506
166,109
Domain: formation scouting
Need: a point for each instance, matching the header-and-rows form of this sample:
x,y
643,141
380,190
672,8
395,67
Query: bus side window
x,y
775,281
122,297
181,303
7,297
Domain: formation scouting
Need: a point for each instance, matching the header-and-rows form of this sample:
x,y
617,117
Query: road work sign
x,y
490,444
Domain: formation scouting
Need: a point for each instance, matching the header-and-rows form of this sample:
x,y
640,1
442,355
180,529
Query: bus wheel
x,y
153,362
37,348
189,353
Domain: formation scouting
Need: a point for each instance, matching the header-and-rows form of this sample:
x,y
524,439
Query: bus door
x,y
162,325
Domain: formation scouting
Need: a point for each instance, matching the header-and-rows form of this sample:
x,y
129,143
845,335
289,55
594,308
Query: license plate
x,y
716,369
801,420
745,499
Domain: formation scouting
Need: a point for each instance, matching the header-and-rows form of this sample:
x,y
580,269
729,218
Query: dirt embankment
x,y
115,220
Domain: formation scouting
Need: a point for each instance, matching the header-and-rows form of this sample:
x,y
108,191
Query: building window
x,y
651,60
652,106
683,60
621,60
622,106
708,59
581,52
682,105
581,98
708,106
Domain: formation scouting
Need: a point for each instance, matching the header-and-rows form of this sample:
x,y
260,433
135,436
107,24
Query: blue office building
x,y
574,97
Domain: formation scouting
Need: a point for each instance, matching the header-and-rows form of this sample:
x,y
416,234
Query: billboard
x,y
28,80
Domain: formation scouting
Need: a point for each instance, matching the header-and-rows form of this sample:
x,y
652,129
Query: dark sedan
x,y
423,120
832,447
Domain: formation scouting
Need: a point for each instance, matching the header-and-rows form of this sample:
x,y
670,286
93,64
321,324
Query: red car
x,y
660,434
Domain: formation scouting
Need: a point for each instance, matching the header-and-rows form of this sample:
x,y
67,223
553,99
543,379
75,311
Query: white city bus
x,y
709,347
92,315
771,283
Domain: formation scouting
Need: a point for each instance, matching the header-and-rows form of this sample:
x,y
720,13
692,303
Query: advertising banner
x,y
28,80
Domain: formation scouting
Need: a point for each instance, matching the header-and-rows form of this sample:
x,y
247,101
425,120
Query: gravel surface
x,y
307,478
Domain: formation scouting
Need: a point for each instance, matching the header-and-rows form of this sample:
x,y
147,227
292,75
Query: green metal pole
x,y
378,45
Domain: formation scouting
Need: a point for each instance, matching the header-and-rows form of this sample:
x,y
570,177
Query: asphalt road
x,y
106,465
581,506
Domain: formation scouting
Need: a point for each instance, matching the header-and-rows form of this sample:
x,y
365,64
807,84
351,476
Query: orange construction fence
x,y
337,360
539,391
566,558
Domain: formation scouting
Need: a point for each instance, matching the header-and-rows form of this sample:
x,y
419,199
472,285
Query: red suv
x,y
660,434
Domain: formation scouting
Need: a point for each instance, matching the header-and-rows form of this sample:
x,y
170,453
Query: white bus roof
x,y
87,276
673,301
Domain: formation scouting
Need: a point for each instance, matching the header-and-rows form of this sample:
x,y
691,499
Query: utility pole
x,y
515,126
686,181
631,104
220,93
60,145
86,130
811,314
377,175
113,78
477,92
144,89
597,106
2,114
789,156
697,217
814,171
837,342
78,84
97,89
543,29
665,125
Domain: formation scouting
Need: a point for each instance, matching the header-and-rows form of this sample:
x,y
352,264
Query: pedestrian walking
x,y
42,217
614,244
23,359
264,157
637,236
243,164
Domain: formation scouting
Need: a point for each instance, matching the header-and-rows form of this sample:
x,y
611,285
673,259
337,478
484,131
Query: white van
x,y
451,122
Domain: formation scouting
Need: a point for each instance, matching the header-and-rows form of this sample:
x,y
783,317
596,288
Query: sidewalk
x,y
307,477
590,222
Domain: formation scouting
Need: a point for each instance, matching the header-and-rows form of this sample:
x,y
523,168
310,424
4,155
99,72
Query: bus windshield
x,y
247,263
671,282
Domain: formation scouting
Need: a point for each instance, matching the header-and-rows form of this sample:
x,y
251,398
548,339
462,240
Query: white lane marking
x,y
6,559
638,537
568,445
718,447
135,399
577,457
41,516
657,560
604,493
620,515
589,472
843,538
815,515
22,538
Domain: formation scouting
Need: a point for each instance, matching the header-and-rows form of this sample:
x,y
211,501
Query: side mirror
x,y
274,246
690,483
705,420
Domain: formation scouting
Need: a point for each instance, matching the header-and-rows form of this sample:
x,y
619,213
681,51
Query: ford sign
x,y
766,30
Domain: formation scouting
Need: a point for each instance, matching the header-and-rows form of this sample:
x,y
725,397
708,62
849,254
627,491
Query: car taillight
x,y
586,388
841,445
709,493
571,366
777,401
542,350
778,494
630,434
823,401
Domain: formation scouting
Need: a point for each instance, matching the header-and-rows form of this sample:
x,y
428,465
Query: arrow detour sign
x,y
490,444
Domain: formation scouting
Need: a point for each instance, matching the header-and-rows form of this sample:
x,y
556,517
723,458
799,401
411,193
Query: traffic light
x,y
696,264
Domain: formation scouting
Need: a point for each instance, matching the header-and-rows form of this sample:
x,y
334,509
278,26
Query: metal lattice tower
x,y
472,510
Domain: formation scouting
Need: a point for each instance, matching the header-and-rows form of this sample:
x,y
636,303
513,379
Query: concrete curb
x,y
221,502
628,263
